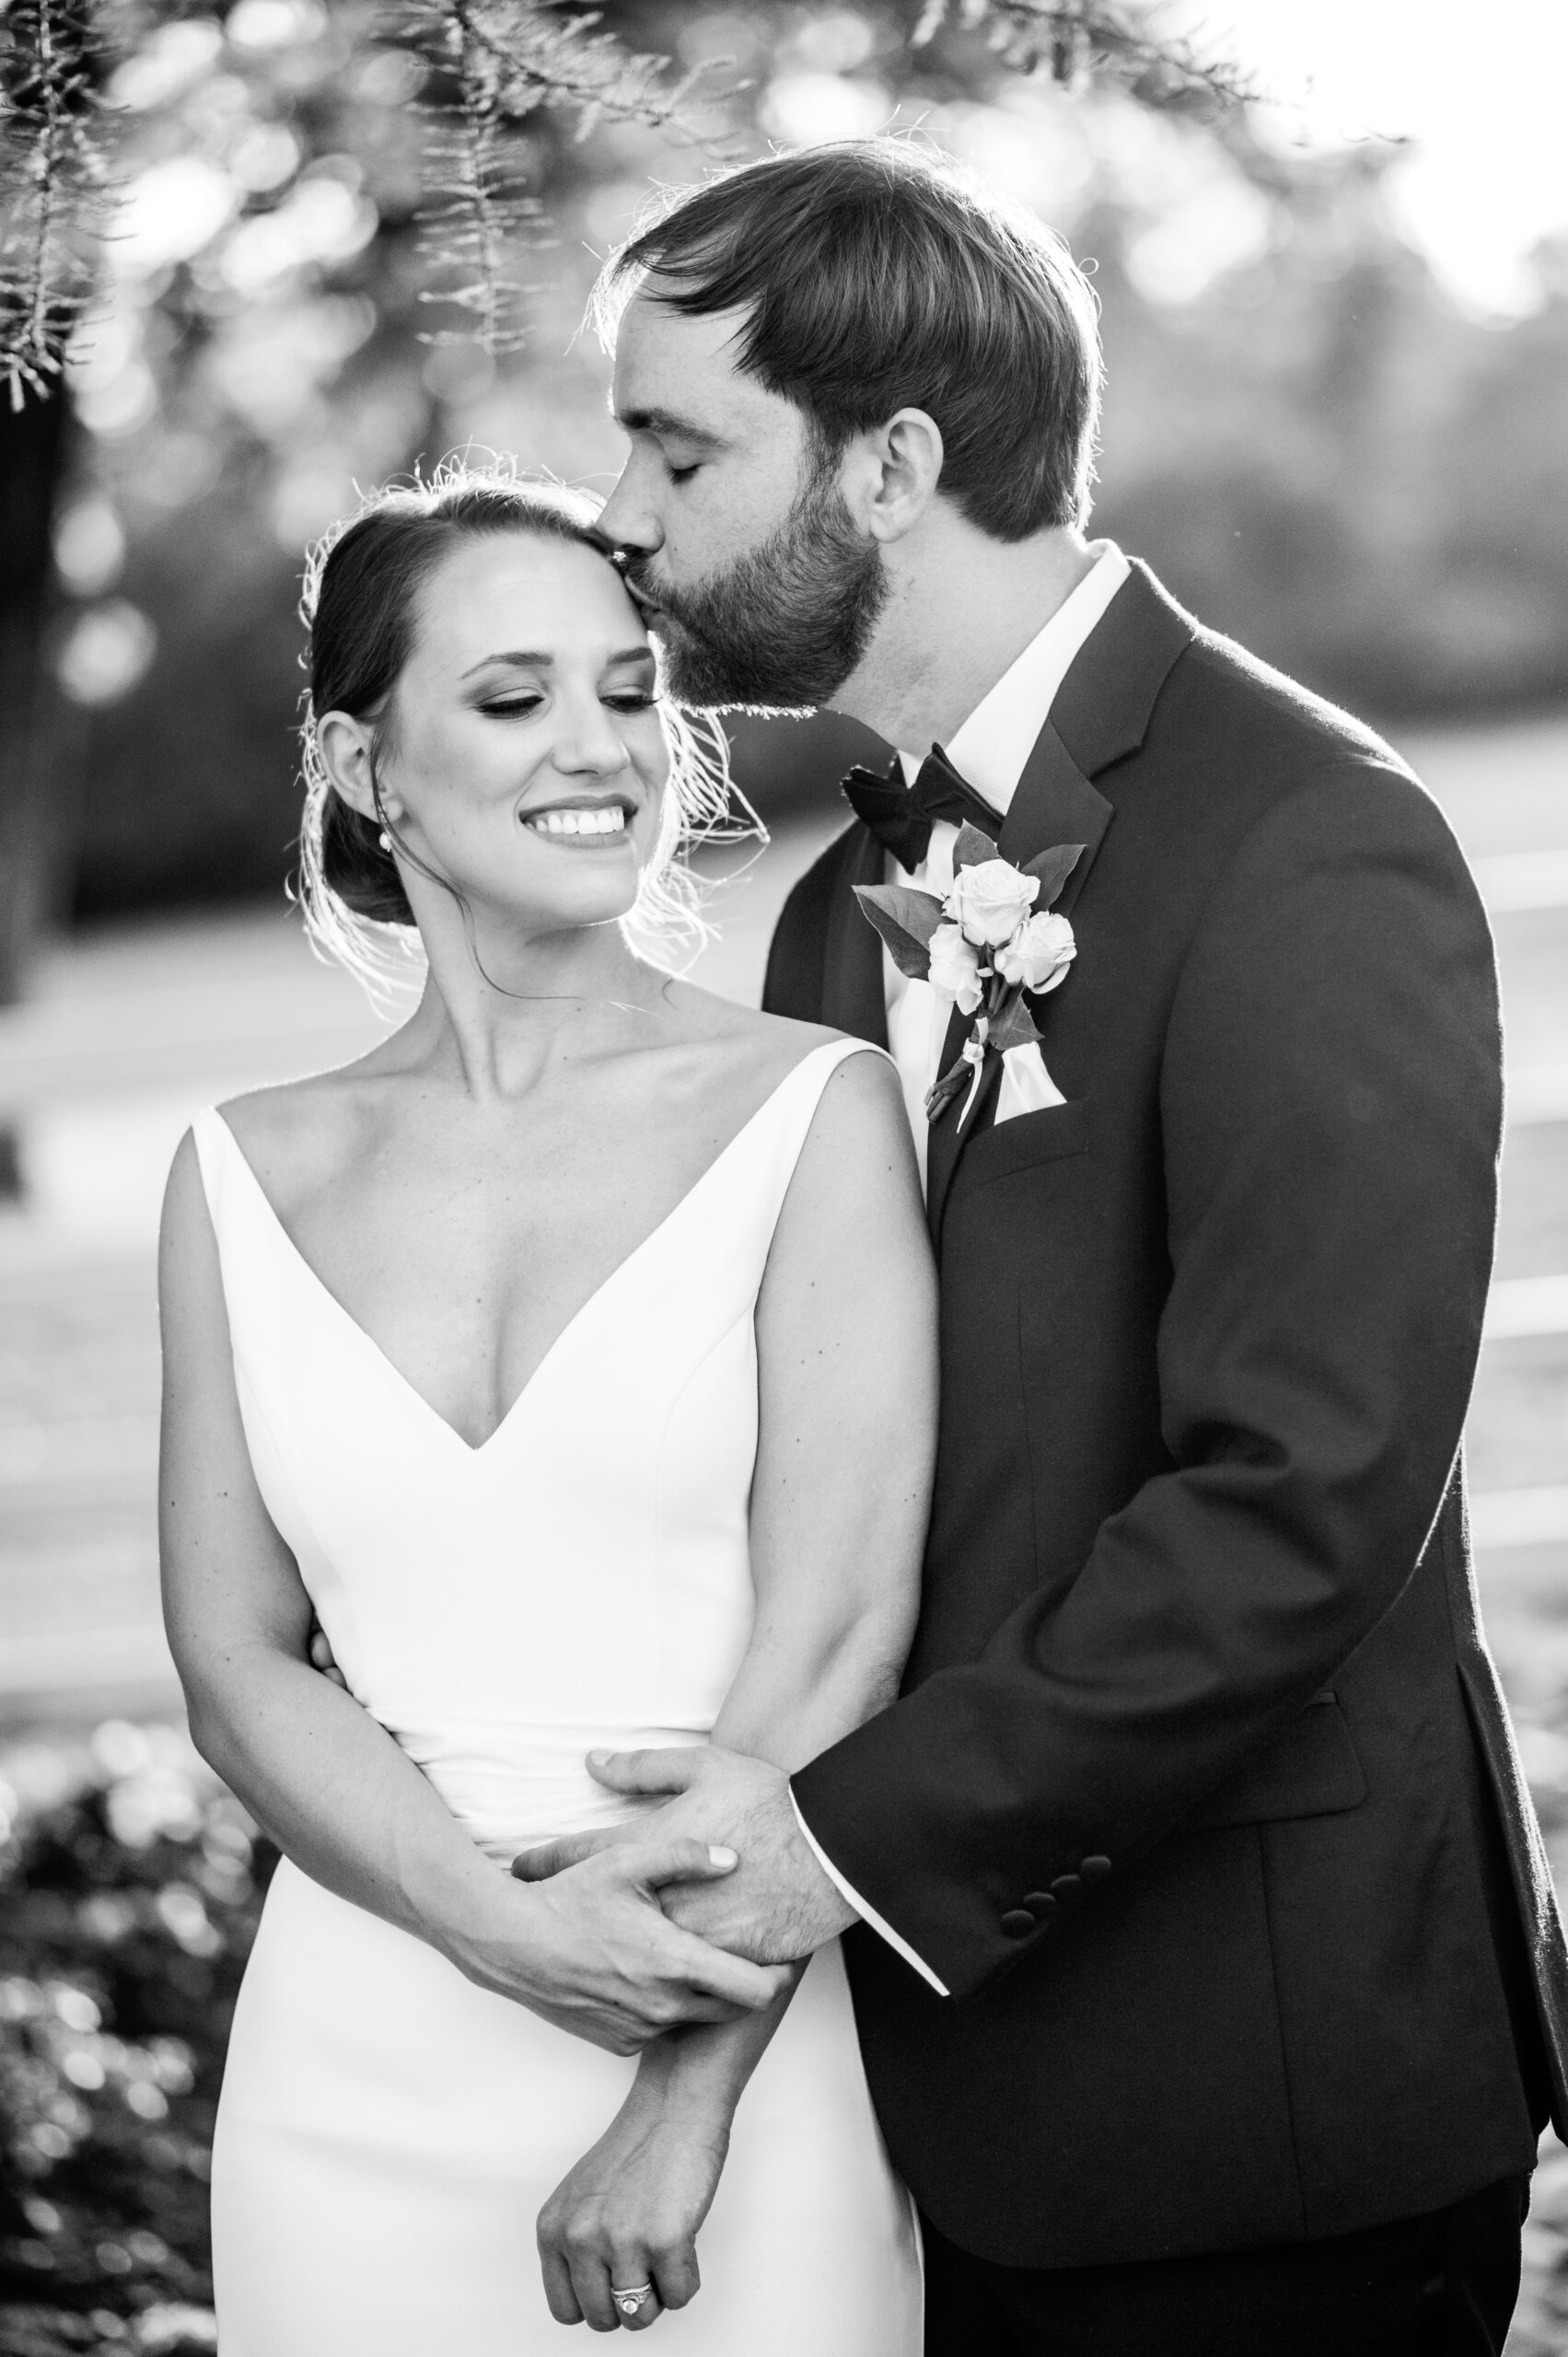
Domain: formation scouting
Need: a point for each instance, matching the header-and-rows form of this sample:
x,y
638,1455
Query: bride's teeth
x,y
611,821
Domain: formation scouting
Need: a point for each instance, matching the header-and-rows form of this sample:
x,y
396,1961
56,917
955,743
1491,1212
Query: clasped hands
x,y
727,1866
689,1912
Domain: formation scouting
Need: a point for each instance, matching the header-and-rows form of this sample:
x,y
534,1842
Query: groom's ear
x,y
891,474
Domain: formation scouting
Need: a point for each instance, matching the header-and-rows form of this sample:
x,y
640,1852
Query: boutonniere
x,y
982,946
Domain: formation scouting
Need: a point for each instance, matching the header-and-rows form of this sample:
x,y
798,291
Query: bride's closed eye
x,y
624,699
510,707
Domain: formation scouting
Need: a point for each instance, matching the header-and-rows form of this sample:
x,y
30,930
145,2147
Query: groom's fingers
x,y
321,1656
663,1770
678,1859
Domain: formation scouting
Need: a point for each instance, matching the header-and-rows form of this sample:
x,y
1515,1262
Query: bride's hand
x,y
593,1952
628,2214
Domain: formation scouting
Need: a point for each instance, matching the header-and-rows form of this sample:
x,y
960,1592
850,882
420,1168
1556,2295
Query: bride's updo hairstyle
x,y
362,584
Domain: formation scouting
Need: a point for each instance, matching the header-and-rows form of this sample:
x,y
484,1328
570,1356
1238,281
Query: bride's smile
x,y
587,826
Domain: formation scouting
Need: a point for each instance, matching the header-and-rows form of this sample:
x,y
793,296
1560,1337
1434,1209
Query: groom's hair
x,y
877,276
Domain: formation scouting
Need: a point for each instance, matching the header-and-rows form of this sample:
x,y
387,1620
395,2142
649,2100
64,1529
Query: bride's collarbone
x,y
464,1257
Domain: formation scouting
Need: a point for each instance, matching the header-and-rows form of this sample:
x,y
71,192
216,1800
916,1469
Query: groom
x,y
1210,1980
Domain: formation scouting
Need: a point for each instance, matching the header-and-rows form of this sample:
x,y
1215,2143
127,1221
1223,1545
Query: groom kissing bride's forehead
x,y
1208,1972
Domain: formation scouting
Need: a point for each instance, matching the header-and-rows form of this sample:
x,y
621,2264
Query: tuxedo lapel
x,y
854,998
1101,712
1054,803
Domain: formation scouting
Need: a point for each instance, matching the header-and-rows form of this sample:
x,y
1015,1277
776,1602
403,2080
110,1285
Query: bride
x,y
571,1356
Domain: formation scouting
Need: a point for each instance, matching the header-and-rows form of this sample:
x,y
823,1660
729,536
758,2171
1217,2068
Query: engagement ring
x,y
630,2298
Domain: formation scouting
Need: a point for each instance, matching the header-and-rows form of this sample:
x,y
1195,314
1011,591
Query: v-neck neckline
x,y
478,1448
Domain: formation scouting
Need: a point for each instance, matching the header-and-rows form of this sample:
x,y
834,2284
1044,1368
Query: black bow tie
x,y
900,816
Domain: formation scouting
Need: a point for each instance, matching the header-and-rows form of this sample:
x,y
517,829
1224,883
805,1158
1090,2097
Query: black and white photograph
x,y
784,1178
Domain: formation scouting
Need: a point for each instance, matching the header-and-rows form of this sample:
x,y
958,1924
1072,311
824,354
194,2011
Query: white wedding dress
x,y
388,2133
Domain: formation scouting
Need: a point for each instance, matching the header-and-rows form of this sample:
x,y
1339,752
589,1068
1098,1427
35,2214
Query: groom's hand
x,y
594,1951
777,1906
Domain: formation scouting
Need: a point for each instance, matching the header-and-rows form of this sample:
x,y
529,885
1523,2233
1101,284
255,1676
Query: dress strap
x,y
793,1106
210,1132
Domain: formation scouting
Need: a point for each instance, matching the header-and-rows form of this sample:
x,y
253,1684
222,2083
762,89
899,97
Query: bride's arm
x,y
846,1372
847,1338
323,1776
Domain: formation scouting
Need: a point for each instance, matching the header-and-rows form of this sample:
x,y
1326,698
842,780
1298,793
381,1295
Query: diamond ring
x,y
629,2298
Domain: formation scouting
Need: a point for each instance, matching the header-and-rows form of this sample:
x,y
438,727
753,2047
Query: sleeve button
x,y
1066,1886
1042,1902
1017,1923
1095,1869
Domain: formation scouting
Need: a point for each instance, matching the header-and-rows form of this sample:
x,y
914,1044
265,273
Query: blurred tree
x,y
318,248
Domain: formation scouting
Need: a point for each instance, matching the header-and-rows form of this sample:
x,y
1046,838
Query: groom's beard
x,y
782,628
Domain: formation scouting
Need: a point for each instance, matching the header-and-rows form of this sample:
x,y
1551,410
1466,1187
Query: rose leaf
x,y
1013,1028
973,848
908,946
1053,867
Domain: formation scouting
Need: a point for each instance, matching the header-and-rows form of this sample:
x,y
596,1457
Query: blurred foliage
x,y
1313,447
1322,456
130,1888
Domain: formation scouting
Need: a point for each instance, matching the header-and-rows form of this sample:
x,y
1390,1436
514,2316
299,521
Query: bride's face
x,y
522,757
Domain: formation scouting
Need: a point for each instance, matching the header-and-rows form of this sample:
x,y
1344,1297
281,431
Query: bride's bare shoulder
x,y
766,1048
297,1133
775,1039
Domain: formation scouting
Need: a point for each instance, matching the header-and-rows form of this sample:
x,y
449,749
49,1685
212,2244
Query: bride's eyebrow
x,y
520,655
523,658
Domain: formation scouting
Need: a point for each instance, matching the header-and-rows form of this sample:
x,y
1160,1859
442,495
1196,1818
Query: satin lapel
x,y
1100,714
1054,803
853,997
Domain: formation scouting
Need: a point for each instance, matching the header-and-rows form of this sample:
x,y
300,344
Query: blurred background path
x,y
135,1027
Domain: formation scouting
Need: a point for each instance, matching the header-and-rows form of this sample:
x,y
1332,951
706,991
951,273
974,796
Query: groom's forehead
x,y
676,370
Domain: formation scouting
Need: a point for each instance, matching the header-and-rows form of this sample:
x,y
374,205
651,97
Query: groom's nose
x,y
628,516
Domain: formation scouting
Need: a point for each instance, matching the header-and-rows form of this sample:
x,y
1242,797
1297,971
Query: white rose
x,y
955,969
1038,954
991,901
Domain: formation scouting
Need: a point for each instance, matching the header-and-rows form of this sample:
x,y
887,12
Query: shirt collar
x,y
994,743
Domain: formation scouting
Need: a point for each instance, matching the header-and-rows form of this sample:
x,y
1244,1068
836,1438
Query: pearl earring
x,y
385,840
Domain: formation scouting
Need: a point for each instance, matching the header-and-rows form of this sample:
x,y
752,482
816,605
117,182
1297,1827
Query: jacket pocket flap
x,y
1310,1769
1029,1138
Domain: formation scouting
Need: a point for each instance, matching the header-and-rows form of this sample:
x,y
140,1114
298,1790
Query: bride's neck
x,y
500,1006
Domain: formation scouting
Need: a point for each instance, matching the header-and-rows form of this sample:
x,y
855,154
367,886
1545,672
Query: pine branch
x,y
51,187
499,62
1076,42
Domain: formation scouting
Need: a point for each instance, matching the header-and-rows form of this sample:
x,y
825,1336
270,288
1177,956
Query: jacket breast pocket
x,y
1310,1769
1030,1139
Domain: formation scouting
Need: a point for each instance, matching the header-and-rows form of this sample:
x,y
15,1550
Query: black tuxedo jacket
x,y
1200,1797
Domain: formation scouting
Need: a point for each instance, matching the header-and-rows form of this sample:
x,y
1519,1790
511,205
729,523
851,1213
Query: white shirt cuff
x,y
866,1914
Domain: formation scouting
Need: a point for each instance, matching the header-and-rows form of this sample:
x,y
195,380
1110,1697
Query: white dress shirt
x,y
990,752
